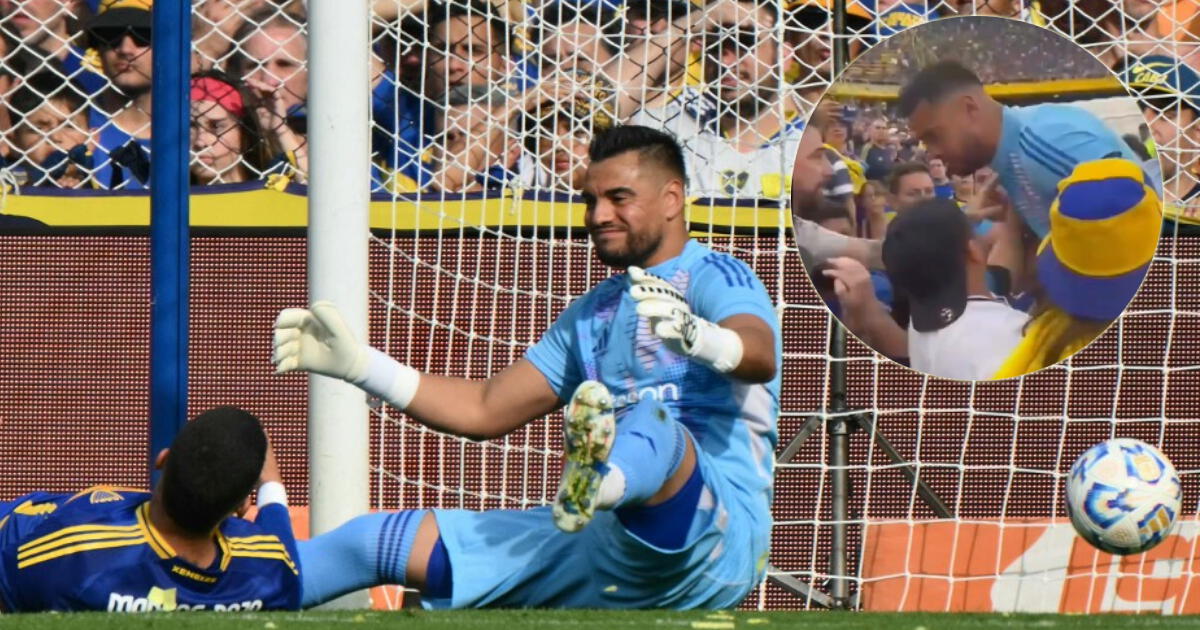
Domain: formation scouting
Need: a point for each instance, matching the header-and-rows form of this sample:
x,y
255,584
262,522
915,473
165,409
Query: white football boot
x,y
589,431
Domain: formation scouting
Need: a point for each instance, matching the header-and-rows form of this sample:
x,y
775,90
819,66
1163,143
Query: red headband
x,y
220,92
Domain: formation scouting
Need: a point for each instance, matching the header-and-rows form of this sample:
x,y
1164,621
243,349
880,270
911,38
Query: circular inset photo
x,y
979,201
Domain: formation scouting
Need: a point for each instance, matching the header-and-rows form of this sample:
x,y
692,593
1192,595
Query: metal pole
x,y
338,231
839,425
169,223
839,428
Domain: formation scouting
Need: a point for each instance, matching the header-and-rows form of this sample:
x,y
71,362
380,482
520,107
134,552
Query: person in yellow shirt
x,y
1104,228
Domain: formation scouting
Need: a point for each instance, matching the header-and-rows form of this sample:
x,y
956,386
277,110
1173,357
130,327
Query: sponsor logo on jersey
x,y
159,599
192,575
104,496
29,508
661,393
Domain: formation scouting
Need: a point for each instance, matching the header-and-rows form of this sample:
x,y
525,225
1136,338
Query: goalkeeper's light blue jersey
x,y
601,337
1040,145
97,550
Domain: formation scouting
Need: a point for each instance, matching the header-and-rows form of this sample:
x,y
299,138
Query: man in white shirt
x,y
752,147
958,329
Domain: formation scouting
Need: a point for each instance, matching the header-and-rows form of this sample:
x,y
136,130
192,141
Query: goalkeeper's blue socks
x,y
366,551
648,450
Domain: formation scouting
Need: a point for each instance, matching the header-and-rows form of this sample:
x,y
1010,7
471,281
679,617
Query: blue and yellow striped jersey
x,y
97,550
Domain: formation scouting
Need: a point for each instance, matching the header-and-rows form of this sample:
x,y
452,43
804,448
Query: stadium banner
x,y
1023,565
283,205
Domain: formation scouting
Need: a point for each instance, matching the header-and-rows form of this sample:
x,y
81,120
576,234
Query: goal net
x,y
481,113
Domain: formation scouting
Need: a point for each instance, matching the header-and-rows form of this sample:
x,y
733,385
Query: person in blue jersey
x,y
670,376
942,186
121,31
176,548
1031,149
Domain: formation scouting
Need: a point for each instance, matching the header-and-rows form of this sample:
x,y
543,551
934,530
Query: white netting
x,y
468,299
488,110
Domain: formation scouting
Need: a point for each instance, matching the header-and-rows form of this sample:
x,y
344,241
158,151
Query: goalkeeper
x,y
671,376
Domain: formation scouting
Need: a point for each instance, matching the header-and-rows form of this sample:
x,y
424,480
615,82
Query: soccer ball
x,y
1123,496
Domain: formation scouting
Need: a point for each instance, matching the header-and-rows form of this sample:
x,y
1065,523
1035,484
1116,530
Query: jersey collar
x,y
164,551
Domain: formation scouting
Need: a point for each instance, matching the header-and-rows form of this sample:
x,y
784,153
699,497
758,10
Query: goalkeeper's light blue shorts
x,y
519,559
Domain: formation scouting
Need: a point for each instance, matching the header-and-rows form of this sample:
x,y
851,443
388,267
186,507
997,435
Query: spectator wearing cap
x,y
1104,229
957,327
753,144
1169,94
226,146
809,31
894,16
47,32
121,31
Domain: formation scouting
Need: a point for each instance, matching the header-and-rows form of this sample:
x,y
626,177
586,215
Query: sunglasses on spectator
x,y
741,41
112,36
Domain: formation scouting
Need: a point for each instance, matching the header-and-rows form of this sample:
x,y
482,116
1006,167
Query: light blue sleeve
x,y
1071,135
722,286
556,354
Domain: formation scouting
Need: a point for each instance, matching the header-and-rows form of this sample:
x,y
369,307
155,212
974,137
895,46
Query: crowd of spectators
x,y
471,95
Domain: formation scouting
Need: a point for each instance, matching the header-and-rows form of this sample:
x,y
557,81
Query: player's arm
x,y
741,345
758,348
823,244
317,340
862,313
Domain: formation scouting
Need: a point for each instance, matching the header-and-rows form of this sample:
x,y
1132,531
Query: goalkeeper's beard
x,y
637,249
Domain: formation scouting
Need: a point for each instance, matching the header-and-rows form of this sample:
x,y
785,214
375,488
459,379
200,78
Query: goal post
x,y
338,231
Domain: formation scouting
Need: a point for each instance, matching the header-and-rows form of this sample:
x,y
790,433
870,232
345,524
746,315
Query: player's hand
x,y
681,331
988,202
671,318
851,282
317,340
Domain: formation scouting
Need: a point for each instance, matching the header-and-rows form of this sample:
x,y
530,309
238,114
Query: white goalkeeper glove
x,y
684,333
317,340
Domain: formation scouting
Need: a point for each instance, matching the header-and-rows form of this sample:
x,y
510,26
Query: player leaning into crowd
x,y
176,548
672,375
1031,149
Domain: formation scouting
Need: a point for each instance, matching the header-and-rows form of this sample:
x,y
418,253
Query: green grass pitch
x,y
585,620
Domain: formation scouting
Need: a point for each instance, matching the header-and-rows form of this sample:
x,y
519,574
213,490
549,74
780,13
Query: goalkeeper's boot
x,y
589,432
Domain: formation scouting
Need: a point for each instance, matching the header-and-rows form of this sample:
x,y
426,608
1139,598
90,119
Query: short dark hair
x,y
212,467
555,15
902,169
44,86
651,144
442,11
934,82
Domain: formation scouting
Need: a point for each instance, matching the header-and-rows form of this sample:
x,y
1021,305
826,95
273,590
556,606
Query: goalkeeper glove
x,y
684,333
317,340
